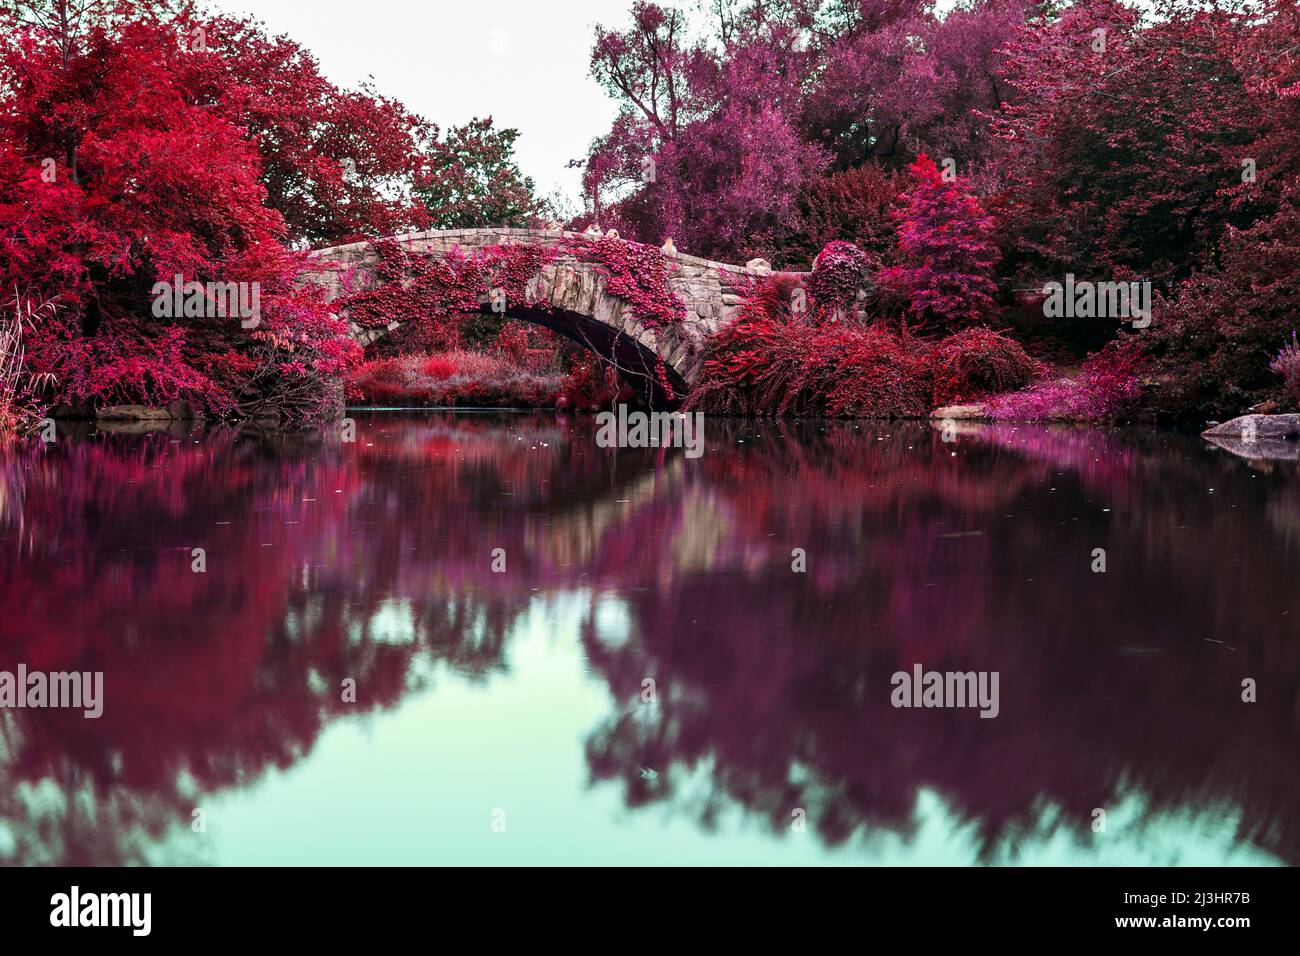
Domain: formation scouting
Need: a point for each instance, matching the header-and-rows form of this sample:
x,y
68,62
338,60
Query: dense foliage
x,y
1010,143
141,142
1106,389
773,361
455,378
976,362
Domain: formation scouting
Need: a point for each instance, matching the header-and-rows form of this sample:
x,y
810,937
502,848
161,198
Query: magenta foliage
x,y
743,118
635,273
946,248
1287,364
1106,388
837,274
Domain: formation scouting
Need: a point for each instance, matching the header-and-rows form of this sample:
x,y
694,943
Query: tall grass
x,y
18,389
456,377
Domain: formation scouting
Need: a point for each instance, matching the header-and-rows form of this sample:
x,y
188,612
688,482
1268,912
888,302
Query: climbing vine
x,y
661,376
837,274
406,286
409,286
634,272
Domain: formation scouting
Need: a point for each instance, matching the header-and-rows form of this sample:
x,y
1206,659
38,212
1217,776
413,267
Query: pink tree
x,y
707,146
946,251
892,79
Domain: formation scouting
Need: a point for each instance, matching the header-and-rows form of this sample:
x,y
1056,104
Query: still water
x,y
639,675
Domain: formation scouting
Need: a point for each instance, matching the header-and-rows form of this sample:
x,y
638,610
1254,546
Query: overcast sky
x,y
522,63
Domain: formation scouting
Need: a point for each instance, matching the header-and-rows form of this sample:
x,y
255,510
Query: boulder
x,y
958,412
1248,428
133,413
75,409
154,426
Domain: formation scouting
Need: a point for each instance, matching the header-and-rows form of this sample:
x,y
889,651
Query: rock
x,y
762,265
133,413
668,248
74,409
959,412
1248,428
181,410
612,234
1261,449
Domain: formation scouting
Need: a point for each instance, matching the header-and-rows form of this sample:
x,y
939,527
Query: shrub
x,y
392,371
753,367
837,275
765,363
977,362
591,385
1107,388
875,373
1211,346
440,367
512,342
1287,364
768,363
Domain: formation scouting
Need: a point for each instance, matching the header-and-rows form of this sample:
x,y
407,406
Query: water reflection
x,y
372,562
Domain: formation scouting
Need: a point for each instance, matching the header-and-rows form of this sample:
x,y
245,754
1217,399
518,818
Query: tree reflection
x,y
371,561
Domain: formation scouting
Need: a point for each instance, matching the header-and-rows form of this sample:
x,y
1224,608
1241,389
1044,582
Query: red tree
x,y
946,250
337,164
116,176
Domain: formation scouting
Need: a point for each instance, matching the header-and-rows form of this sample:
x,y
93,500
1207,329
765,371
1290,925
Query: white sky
x,y
522,63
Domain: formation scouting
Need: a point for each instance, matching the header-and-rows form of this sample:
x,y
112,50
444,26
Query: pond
x,y
481,638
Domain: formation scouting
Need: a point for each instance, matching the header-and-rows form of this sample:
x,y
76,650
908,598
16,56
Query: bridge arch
x,y
569,295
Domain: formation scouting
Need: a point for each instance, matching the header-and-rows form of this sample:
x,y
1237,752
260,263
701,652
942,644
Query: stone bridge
x,y
569,296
